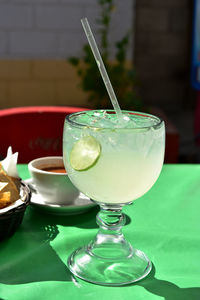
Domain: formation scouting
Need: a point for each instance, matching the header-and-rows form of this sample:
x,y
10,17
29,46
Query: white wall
x,y
52,28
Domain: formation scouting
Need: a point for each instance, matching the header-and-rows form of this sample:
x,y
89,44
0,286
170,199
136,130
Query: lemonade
x,y
113,162
113,157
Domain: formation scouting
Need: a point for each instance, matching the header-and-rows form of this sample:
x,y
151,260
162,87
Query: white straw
x,y
101,66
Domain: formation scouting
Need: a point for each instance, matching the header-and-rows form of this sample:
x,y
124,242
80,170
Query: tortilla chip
x,y
10,187
17,183
3,185
1,167
5,199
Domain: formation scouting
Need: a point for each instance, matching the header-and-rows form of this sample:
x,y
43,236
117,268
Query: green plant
x,y
122,77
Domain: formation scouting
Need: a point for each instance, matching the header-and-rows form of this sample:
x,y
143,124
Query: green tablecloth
x,y
164,223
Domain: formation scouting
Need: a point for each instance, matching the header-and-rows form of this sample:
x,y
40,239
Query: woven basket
x,y
10,220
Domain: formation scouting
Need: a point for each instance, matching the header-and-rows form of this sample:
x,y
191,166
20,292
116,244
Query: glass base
x,y
109,271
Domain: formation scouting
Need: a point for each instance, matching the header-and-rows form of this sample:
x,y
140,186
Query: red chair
x,y
33,131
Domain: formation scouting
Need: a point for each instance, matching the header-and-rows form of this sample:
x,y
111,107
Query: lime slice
x,y
85,153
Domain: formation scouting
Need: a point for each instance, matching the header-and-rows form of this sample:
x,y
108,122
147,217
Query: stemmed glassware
x,y
113,163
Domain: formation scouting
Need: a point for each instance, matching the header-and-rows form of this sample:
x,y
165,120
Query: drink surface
x,y
131,157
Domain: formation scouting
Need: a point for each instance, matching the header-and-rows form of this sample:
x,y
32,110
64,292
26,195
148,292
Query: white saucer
x,y
80,205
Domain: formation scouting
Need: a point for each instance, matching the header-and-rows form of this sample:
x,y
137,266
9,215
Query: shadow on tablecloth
x,y
168,290
28,255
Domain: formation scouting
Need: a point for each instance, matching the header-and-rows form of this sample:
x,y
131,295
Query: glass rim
x,y
159,120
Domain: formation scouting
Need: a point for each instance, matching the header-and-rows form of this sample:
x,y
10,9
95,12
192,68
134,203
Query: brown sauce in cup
x,y
54,169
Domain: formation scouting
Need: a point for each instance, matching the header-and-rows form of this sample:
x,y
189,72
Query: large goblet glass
x,y
113,162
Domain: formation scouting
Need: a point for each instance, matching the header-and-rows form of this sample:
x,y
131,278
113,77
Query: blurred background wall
x,y
162,56
163,41
37,37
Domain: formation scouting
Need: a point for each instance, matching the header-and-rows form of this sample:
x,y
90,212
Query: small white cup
x,y
56,188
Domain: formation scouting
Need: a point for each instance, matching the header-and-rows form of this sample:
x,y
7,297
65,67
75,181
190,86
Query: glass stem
x,y
109,241
111,218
